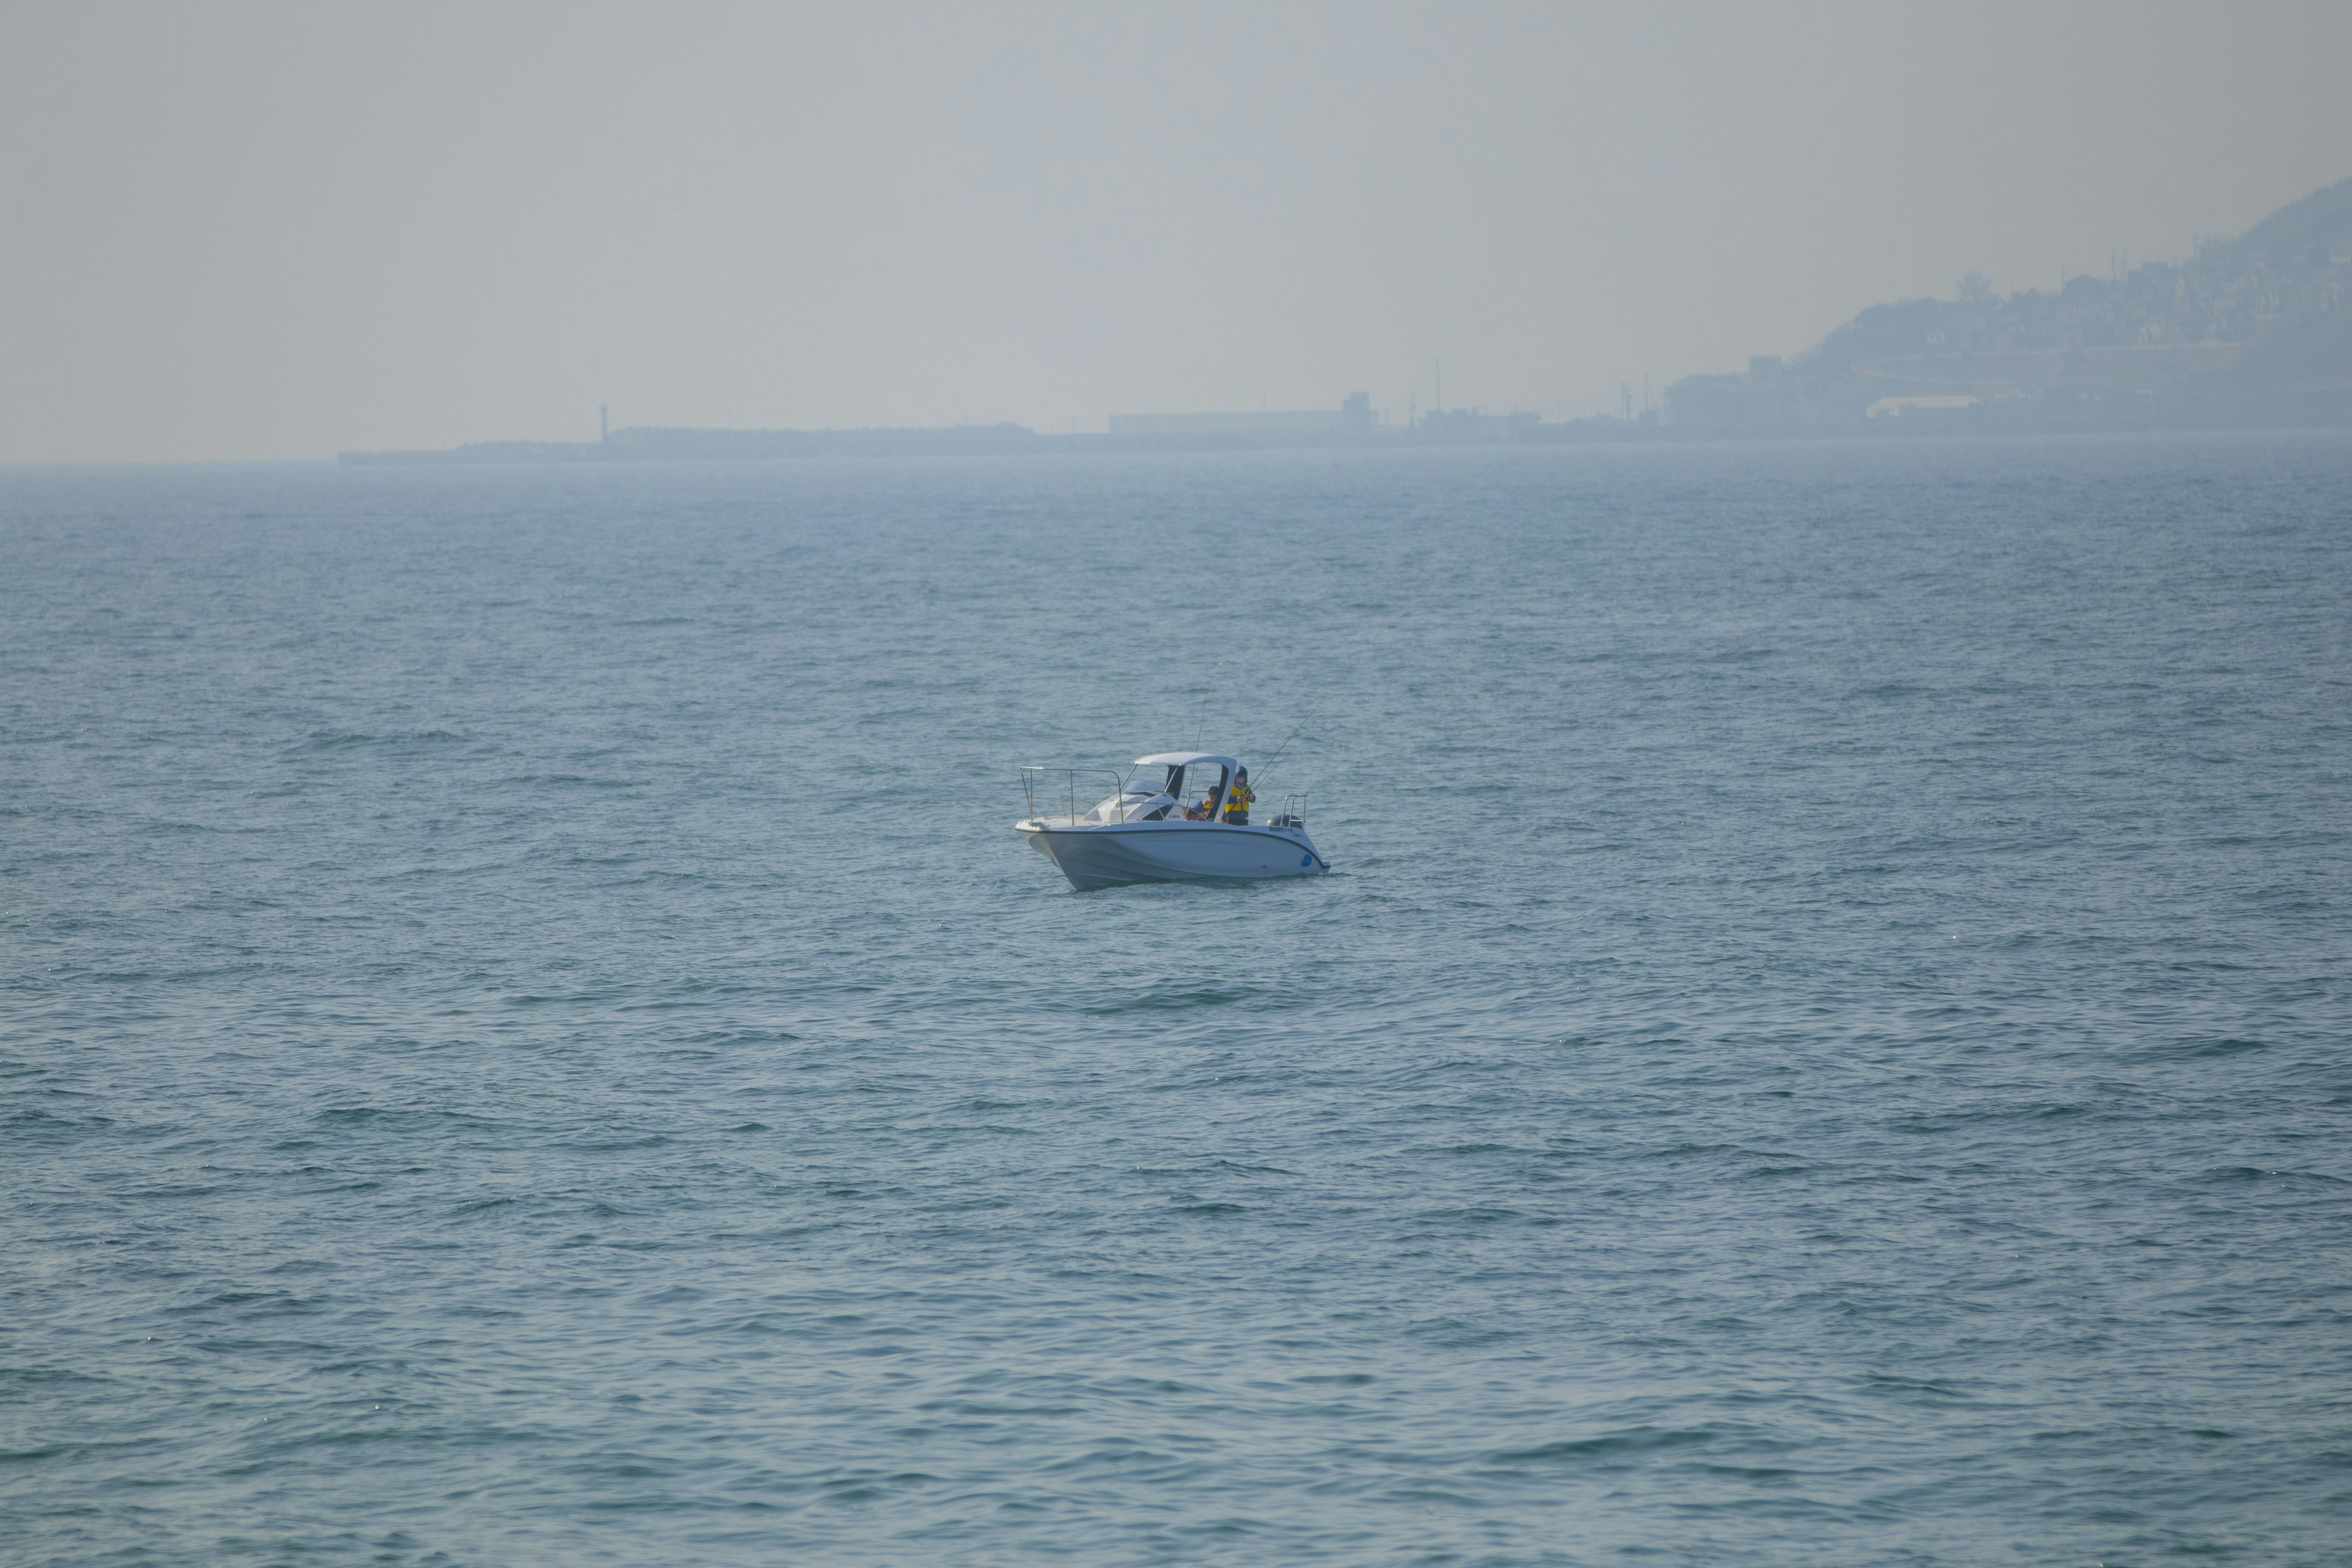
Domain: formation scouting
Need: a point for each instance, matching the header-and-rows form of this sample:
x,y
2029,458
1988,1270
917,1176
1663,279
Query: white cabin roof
x,y
1182,760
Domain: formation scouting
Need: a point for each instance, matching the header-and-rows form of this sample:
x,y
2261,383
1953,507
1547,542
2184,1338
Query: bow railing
x,y
1043,788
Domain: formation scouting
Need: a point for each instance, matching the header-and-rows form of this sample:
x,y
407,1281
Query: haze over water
x,y
526,1034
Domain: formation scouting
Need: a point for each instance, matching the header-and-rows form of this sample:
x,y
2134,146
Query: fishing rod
x,y
1279,751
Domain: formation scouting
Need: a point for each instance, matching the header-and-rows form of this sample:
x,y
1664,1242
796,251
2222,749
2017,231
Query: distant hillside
x,y
2257,331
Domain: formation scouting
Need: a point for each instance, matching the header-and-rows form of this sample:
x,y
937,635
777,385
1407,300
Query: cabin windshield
x,y
1207,790
1133,801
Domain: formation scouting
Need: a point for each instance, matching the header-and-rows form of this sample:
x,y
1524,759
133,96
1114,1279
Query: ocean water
x,y
526,1036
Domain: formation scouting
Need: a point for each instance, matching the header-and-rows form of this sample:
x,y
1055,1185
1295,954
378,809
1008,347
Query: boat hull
x,y
1121,853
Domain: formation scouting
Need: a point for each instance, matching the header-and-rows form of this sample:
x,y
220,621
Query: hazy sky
x,y
281,230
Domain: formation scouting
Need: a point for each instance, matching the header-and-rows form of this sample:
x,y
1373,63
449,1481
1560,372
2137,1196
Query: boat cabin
x,y
1173,787
1206,774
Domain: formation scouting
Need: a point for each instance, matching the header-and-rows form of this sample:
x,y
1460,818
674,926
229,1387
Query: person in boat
x,y
1238,798
1207,810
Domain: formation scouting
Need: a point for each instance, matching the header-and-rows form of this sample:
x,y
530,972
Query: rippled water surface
x,y
527,1037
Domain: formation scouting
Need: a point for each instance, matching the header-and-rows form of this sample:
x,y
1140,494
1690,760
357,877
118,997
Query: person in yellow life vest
x,y
1238,798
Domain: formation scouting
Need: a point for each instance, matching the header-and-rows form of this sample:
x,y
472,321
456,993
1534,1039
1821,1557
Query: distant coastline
x,y
2254,333
1209,433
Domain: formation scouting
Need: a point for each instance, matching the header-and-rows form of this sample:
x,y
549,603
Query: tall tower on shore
x,y
603,427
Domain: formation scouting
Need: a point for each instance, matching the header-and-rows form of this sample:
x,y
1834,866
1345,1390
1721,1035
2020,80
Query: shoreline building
x,y
1354,414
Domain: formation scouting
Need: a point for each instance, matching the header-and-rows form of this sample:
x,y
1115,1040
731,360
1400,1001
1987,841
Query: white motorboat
x,y
1143,830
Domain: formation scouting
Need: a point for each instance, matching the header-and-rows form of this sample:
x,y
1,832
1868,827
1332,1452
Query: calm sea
x,y
527,1037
